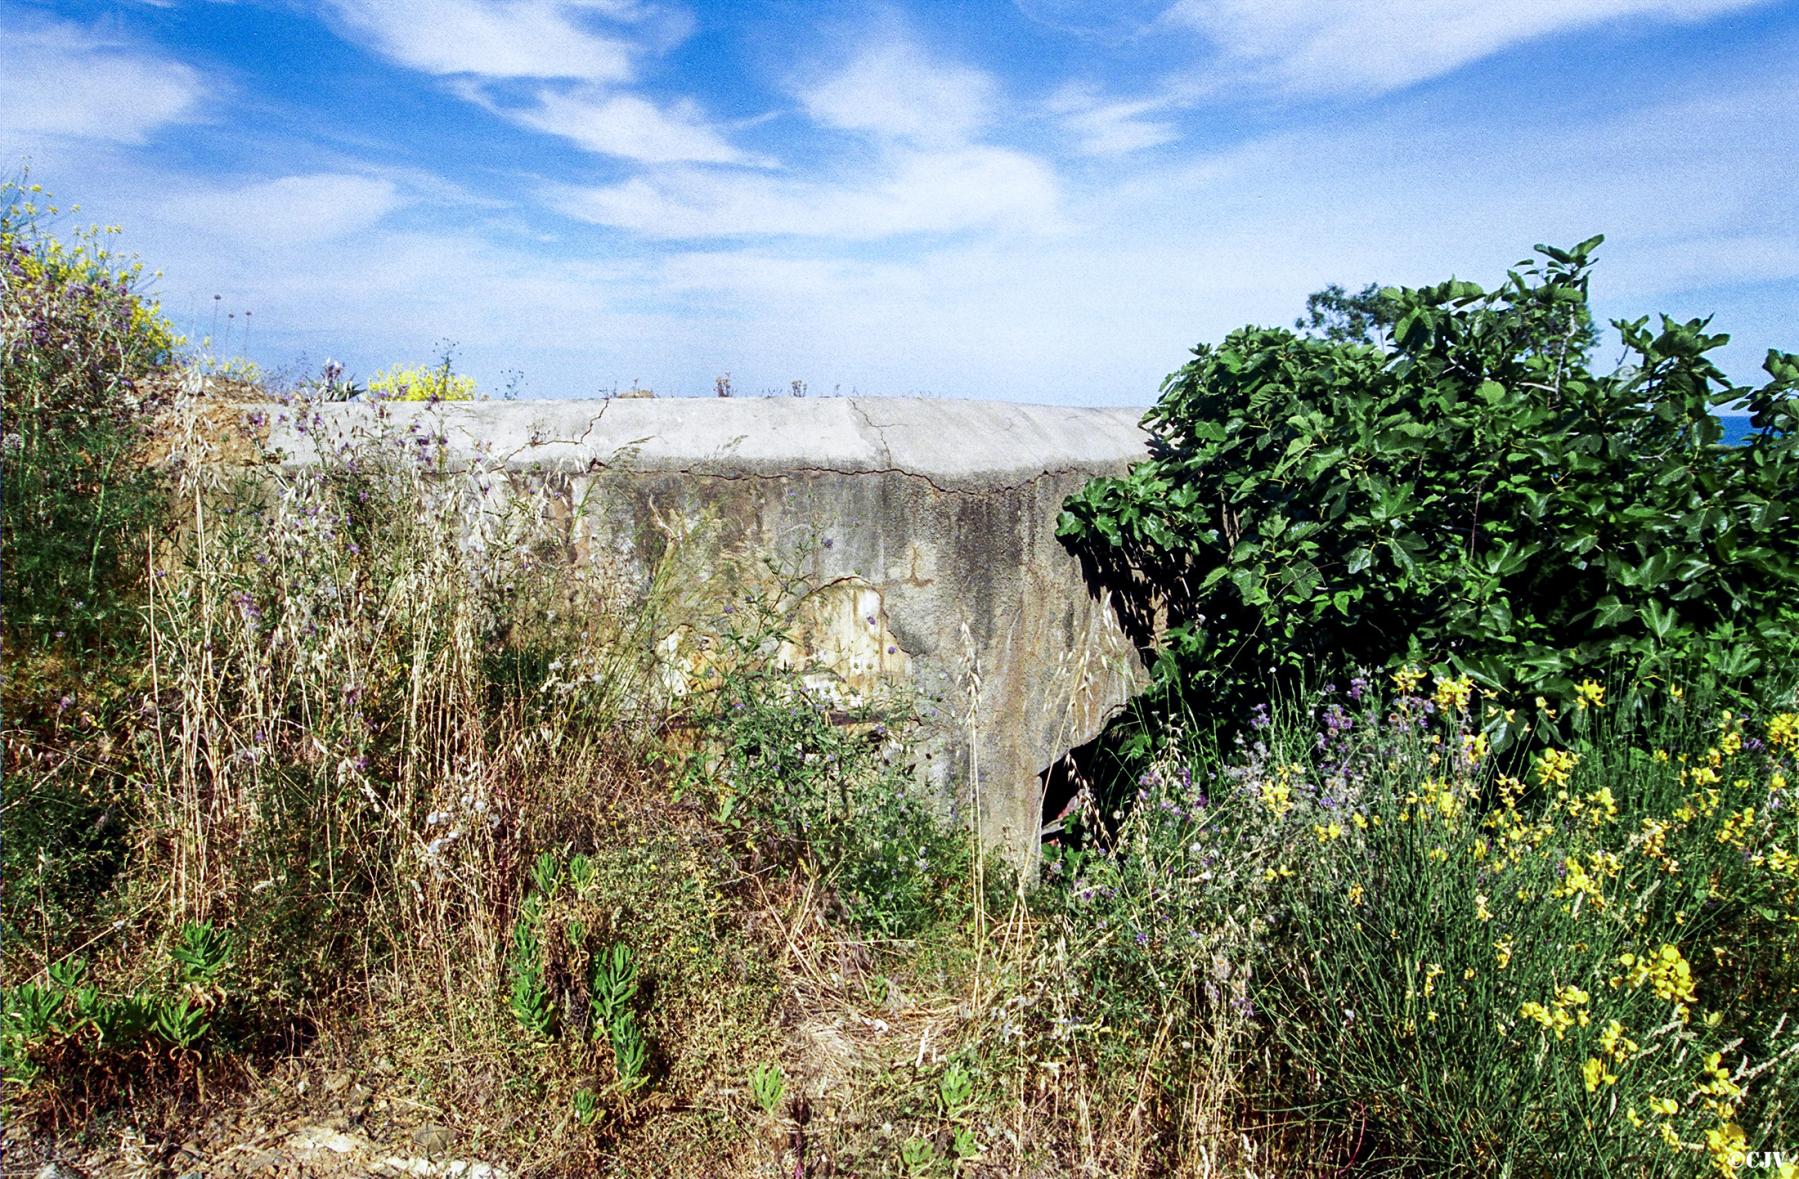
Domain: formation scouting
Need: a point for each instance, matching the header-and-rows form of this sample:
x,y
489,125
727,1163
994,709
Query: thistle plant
x,y
580,873
530,997
768,1086
614,985
546,874
630,1053
202,953
955,1089
182,1022
918,1157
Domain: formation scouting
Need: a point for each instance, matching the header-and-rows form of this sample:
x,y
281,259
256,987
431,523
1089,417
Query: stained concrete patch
x,y
930,525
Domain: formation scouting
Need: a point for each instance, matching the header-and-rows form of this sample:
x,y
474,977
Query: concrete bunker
x,y
926,527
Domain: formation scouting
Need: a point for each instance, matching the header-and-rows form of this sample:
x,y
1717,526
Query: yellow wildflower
x,y
1554,767
1736,826
1615,1044
1578,881
1720,1084
1452,694
1589,694
1728,1147
1278,795
1666,971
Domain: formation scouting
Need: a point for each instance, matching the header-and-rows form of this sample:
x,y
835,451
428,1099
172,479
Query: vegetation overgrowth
x,y
1467,493
369,765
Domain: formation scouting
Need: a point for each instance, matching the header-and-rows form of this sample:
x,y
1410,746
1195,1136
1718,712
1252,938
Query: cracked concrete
x,y
936,518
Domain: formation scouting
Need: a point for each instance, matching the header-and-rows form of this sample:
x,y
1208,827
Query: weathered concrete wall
x,y
930,525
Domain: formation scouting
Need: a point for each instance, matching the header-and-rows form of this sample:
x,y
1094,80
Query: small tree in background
x,y
1333,313
1472,496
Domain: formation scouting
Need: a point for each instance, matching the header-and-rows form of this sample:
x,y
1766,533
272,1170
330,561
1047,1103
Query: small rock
x,y
337,1082
433,1137
323,1137
464,1169
57,1171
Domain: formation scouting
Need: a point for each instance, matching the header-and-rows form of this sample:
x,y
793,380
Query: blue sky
x,y
1043,200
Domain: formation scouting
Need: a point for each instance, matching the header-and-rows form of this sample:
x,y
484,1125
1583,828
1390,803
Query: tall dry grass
x,y
378,687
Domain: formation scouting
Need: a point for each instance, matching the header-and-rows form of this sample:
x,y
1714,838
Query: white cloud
x,y
1175,251
1112,22
62,80
1360,45
290,210
975,270
480,43
631,127
495,38
941,191
1111,127
894,89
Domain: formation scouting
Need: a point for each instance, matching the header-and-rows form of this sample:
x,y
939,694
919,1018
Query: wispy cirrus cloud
x,y
495,38
287,210
903,198
893,88
940,191
66,80
1356,46
621,124
1098,125
922,167
573,58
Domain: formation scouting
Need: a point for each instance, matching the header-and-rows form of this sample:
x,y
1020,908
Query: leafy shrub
x,y
817,776
1582,970
78,338
1475,497
82,353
